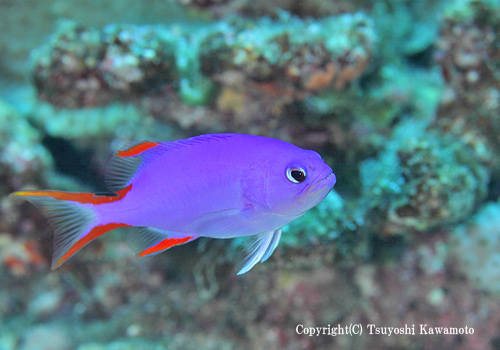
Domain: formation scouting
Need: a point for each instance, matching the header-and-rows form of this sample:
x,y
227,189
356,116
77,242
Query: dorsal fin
x,y
127,161
121,170
137,149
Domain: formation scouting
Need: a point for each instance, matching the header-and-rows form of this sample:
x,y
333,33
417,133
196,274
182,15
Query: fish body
x,y
217,185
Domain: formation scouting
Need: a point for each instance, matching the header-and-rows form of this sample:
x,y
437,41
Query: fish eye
x,y
296,175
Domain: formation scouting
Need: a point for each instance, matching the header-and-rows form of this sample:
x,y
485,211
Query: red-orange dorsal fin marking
x,y
84,198
164,245
137,149
93,234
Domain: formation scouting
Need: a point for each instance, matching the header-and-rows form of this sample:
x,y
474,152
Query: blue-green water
x,y
401,98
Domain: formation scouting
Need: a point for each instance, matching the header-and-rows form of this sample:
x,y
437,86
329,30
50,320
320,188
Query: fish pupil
x,y
298,175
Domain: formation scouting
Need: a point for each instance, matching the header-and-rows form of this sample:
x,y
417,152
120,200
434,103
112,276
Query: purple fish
x,y
219,186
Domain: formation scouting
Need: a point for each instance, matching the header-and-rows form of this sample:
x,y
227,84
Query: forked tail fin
x,y
73,218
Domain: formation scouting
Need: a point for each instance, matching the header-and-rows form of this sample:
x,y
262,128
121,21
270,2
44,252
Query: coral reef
x,y
260,8
26,25
22,157
202,3
468,53
252,75
84,67
309,55
85,123
475,247
418,27
328,219
18,256
422,180
422,288
400,97
398,90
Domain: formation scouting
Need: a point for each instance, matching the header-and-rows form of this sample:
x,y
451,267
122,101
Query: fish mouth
x,y
310,196
328,181
315,194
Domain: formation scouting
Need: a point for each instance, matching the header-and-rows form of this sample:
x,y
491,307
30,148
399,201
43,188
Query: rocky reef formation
x,y
422,180
400,97
468,54
82,67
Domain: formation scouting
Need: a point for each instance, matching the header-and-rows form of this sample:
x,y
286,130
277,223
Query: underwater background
x,y
401,98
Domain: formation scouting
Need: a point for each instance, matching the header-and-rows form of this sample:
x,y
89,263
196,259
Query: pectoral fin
x,y
264,246
272,246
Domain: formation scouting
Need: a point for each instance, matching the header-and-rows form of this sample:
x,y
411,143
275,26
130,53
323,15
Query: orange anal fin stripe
x,y
137,149
93,234
164,245
83,198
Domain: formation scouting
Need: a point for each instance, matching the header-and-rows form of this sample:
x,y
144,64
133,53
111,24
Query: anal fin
x,y
151,241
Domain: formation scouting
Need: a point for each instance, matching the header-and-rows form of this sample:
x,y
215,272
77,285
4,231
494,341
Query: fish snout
x,y
331,179
325,181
